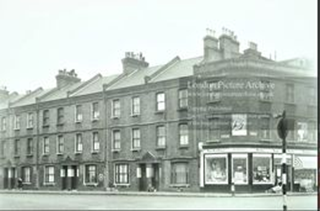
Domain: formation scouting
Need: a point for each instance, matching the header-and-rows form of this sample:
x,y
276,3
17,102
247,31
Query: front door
x,y
64,176
143,179
13,178
74,178
155,178
5,178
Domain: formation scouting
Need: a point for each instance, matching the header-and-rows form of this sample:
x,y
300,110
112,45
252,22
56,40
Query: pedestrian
x,y
20,184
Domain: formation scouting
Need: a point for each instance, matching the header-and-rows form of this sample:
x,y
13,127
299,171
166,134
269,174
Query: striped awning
x,y
303,162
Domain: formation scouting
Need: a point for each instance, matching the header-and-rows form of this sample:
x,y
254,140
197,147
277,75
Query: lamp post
x,y
282,129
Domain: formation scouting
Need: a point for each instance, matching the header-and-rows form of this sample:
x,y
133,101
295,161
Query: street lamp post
x,y
282,129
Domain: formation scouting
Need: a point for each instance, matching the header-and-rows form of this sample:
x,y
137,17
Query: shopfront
x,y
255,169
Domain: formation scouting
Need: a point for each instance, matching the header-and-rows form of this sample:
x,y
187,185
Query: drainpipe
x,y
105,131
37,143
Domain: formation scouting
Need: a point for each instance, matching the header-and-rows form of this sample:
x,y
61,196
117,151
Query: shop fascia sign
x,y
258,150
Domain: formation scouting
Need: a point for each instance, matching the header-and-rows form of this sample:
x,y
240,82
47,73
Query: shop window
x,y
49,174
216,170
240,169
261,169
179,173
91,174
121,173
26,174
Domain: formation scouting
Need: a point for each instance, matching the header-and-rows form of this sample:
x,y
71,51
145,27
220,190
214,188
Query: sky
x,y
40,37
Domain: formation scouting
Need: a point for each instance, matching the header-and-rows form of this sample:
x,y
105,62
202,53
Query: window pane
x,y
216,169
239,170
261,169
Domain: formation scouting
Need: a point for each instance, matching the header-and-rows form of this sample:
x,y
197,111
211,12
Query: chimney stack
x,y
64,78
252,51
210,46
228,44
4,94
133,61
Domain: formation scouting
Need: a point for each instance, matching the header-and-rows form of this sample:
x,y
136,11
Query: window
x,y
161,136
46,118
214,91
17,147
312,95
183,98
3,123
116,108
17,122
265,128
216,169
290,93
3,147
78,113
261,168
49,174
95,111
302,131
214,129
312,131
183,134
60,143
26,174
179,173
135,107
30,120
60,116
45,145
136,138
161,104
121,173
78,144
91,174
265,91
29,146
116,139
240,168
95,141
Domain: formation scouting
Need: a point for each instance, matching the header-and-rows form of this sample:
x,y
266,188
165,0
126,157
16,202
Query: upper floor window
x,y
78,143
60,116
161,103
289,93
45,145
214,91
116,137
135,107
122,173
265,91
95,111
78,113
30,120
183,98
95,141
17,122
60,144
265,128
3,123
183,134
46,118
179,173
161,136
16,147
29,146
135,138
302,131
116,108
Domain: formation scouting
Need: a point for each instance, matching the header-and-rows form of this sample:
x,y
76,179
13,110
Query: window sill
x,y
16,156
115,150
213,141
50,184
135,149
94,152
59,154
94,120
186,146
78,122
45,155
135,115
91,184
179,185
29,155
16,129
159,112
161,148
122,185
60,125
183,109
45,126
115,117
77,153
29,128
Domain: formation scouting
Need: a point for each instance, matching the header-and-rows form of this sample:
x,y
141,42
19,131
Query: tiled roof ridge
x,y
25,96
82,86
163,68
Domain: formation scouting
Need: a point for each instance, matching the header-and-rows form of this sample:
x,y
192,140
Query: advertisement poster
x,y
216,169
239,124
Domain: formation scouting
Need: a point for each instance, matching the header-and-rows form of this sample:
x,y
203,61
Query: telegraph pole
x,y
283,132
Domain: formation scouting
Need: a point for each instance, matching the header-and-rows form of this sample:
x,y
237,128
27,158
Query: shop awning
x,y
303,162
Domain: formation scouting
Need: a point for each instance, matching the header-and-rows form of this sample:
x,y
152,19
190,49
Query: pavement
x,y
138,193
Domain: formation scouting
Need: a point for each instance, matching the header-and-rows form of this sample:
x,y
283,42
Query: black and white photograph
x,y
159,105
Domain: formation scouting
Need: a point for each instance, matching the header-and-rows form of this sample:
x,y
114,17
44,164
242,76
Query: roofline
x,y
82,86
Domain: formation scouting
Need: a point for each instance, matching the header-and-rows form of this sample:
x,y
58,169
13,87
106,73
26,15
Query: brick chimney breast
x,y
64,78
133,61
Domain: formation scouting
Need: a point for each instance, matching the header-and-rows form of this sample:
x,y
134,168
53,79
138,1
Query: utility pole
x,y
282,129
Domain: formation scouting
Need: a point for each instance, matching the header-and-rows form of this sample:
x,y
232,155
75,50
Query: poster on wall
x,y
302,131
239,124
216,169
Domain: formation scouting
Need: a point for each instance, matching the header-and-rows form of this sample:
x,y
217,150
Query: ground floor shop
x,y
256,169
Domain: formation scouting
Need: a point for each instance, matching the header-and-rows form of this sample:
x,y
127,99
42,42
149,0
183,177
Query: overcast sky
x,y
39,37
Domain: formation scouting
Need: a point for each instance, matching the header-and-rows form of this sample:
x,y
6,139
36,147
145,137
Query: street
x,y
99,202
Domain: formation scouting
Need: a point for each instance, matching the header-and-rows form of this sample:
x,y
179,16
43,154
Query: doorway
x,y
74,177
149,176
64,176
